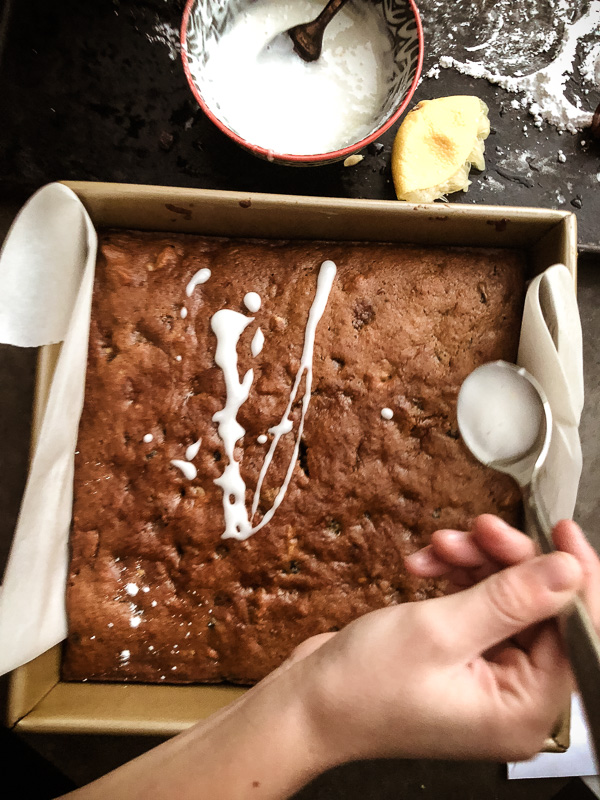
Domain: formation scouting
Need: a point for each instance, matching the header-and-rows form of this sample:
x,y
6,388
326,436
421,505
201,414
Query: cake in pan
x,y
269,427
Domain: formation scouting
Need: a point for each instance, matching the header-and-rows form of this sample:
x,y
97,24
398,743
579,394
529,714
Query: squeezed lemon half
x,y
436,145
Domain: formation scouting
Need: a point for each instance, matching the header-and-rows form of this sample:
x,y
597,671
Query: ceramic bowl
x,y
206,21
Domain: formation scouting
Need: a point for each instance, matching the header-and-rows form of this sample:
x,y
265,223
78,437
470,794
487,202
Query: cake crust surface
x,y
154,592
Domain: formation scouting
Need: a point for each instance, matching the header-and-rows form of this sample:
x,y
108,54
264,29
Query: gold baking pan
x,y
38,700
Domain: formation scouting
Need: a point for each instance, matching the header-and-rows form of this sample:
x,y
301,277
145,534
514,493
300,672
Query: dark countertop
x,y
96,91
87,94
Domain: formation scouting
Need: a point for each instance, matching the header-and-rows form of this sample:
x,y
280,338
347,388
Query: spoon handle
x,y
583,650
329,12
536,519
579,634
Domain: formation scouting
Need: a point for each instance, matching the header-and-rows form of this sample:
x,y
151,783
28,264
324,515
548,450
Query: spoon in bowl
x,y
307,38
505,420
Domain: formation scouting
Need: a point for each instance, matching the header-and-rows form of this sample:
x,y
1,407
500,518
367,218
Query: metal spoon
x,y
506,422
307,38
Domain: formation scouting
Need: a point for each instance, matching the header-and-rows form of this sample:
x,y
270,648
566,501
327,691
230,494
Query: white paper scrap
x,y
46,280
577,761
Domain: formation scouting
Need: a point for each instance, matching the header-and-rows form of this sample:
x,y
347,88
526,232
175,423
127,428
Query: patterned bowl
x,y
205,21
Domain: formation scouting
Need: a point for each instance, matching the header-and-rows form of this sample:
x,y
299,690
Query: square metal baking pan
x,y
38,700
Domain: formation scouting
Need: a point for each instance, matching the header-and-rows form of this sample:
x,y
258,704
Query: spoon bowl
x,y
505,419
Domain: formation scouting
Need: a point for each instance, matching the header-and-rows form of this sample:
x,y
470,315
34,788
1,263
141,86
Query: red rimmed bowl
x,y
205,25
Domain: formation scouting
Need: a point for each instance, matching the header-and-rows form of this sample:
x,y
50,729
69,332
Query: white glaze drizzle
x,y
228,326
192,451
257,343
262,439
387,413
252,302
200,277
183,313
189,470
324,284
285,426
147,438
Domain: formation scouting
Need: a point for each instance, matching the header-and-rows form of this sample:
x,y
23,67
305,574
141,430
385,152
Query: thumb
x,y
513,599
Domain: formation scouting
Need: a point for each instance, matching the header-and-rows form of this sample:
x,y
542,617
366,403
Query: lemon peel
x,y
436,145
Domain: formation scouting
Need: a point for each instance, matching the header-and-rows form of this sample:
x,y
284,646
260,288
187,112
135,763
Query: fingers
x,y
458,548
510,601
449,549
547,652
309,646
501,542
539,679
425,564
490,543
569,537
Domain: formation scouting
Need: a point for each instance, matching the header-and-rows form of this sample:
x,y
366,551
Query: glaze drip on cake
x,y
189,470
252,302
200,277
258,341
192,451
228,326
324,284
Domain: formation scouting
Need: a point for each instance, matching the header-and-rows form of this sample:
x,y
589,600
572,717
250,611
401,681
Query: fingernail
x,y
454,536
559,571
497,521
419,559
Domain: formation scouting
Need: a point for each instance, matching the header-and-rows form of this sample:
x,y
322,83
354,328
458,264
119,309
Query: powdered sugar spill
x,y
493,184
532,49
590,65
167,35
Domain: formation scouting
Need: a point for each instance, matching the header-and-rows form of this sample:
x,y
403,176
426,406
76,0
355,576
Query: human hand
x,y
465,558
444,677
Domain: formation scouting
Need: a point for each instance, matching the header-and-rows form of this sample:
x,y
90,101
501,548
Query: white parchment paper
x,y
46,279
551,350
